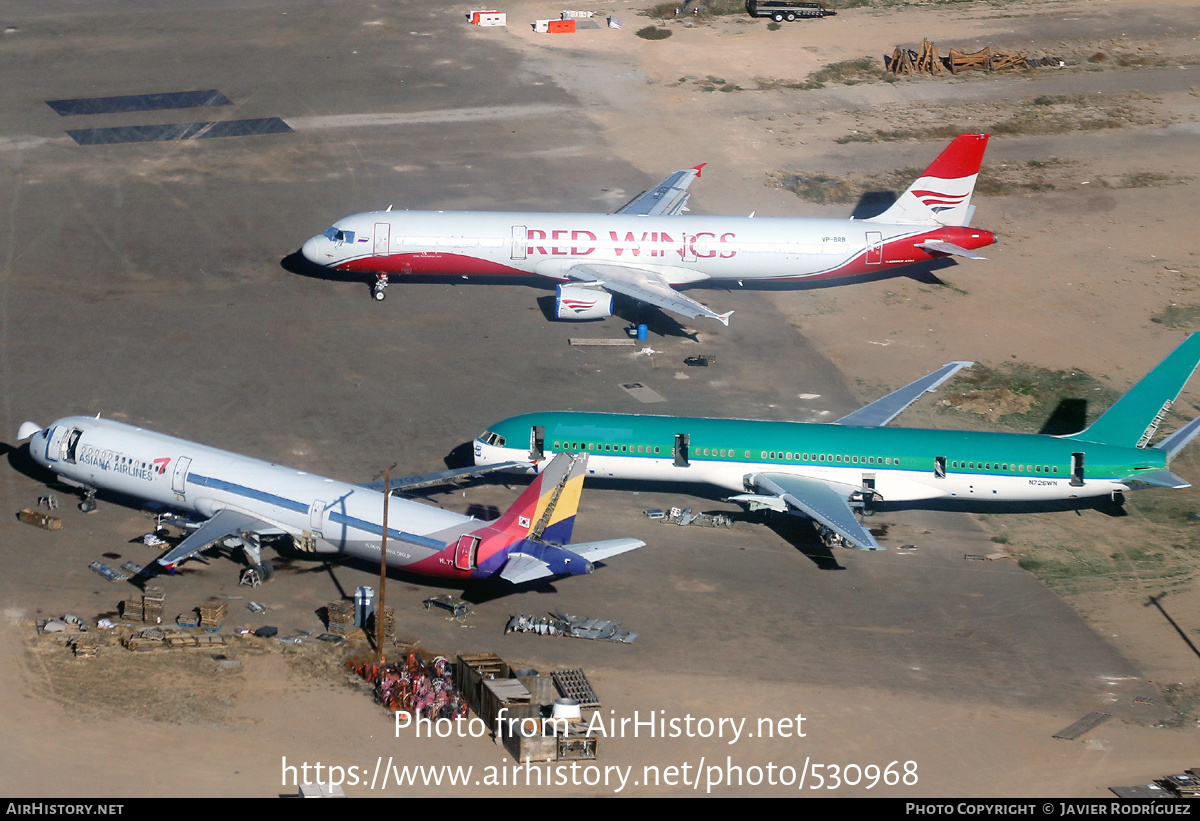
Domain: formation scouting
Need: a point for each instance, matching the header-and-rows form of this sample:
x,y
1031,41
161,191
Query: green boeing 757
x,y
826,470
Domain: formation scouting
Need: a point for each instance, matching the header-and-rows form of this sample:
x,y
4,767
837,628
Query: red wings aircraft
x,y
645,249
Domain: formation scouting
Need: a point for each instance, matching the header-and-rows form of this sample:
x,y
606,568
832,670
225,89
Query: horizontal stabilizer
x,y
598,551
521,568
1158,478
818,501
1177,440
938,246
226,523
884,410
438,478
537,560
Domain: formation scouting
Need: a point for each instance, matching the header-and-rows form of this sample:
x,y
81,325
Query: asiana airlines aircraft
x,y
238,502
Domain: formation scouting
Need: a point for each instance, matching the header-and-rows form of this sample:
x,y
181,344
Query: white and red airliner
x,y
645,249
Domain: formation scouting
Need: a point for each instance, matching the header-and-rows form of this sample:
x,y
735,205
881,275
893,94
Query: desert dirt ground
x,y
1092,171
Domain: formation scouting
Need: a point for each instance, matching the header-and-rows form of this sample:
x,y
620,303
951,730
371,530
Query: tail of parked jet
x,y
942,195
546,510
1134,419
529,541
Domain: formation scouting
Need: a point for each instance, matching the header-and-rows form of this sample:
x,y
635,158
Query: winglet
x,y
724,318
698,169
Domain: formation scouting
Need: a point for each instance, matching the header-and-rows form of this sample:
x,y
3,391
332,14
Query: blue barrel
x,y
642,333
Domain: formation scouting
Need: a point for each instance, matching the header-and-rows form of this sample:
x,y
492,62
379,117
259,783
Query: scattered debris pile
x,y
458,608
520,707
107,572
423,690
906,61
684,517
1181,785
575,627
169,638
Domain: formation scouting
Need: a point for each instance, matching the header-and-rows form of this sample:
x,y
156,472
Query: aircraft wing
x,y
645,286
442,477
668,198
818,501
226,523
938,246
881,411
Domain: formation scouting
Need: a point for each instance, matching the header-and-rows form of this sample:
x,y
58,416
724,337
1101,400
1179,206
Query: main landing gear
x,y
88,504
379,291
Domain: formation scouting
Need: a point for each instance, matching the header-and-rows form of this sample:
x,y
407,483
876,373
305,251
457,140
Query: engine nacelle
x,y
582,302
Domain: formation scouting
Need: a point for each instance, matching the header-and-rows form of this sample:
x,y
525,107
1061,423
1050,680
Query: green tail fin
x,y
1132,421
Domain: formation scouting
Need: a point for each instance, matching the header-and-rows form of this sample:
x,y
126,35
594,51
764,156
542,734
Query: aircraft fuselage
x,y
897,464
329,516
680,249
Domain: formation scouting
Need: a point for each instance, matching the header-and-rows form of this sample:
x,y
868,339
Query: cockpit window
x,y
489,438
335,234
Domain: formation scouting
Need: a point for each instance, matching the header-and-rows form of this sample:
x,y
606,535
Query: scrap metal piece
x,y
574,684
1088,722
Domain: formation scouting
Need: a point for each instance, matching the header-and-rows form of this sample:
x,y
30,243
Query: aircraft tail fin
x,y
1134,419
942,195
546,510
530,540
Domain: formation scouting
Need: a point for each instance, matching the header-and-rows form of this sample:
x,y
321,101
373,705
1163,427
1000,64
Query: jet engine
x,y
574,301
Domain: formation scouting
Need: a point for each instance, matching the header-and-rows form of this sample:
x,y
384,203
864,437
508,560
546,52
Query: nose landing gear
x,y
379,291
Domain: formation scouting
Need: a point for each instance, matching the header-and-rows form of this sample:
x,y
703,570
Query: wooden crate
x,y
43,520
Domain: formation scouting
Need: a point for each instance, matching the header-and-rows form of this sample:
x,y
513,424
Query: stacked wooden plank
x,y
212,616
146,640
341,616
152,605
145,608
389,622
987,59
86,647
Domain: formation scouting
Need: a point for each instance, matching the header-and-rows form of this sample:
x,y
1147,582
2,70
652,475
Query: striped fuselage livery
x,y
680,251
325,515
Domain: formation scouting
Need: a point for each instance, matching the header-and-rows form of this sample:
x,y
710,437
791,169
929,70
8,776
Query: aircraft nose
x,y
311,249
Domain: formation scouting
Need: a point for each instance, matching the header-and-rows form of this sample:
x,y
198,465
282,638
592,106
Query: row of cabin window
x,y
831,457
577,446
1005,466
728,453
